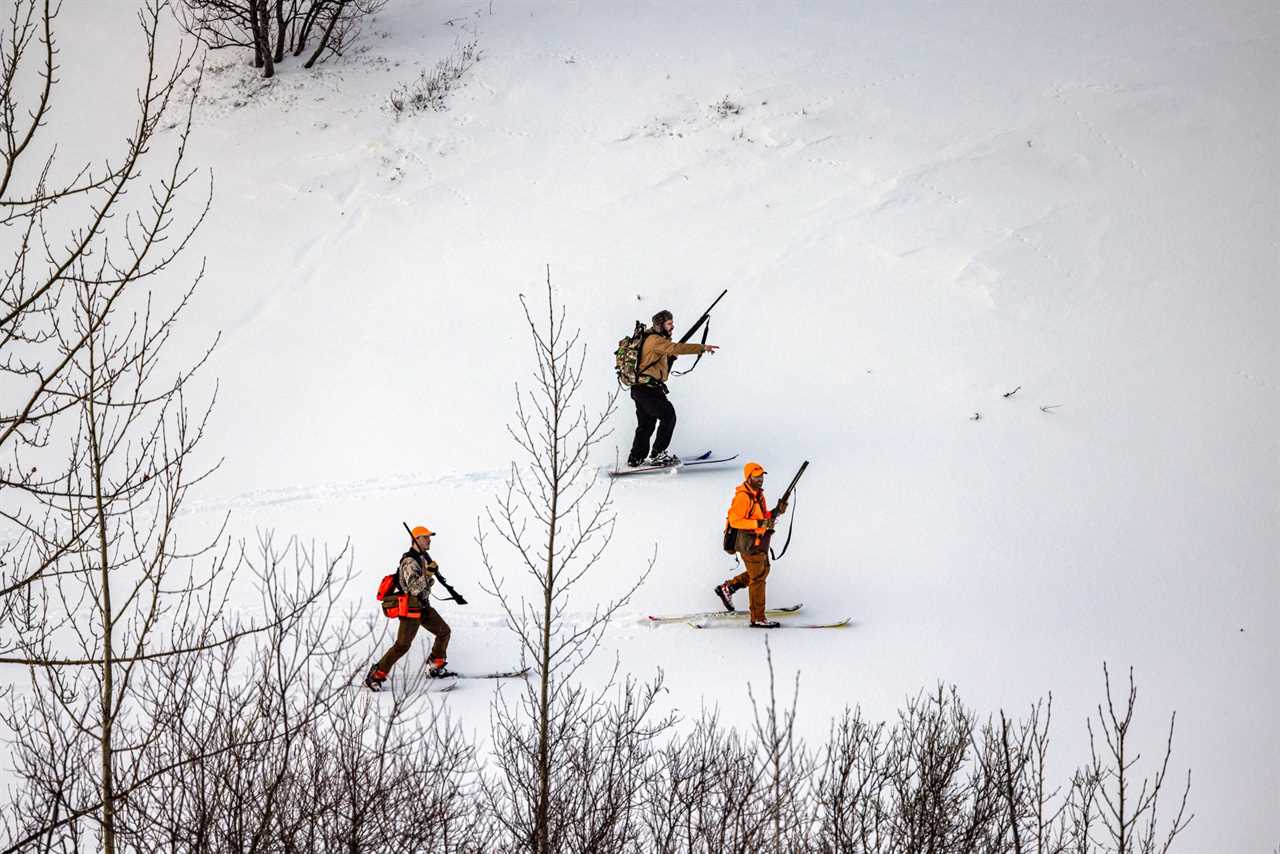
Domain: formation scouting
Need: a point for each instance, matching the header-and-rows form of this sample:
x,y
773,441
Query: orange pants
x,y
757,570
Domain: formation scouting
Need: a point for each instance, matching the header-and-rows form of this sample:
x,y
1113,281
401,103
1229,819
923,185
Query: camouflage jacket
x,y
417,574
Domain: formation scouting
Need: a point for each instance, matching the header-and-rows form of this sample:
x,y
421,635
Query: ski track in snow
x,y
329,491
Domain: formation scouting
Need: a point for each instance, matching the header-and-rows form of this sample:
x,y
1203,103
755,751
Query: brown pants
x,y
430,620
757,570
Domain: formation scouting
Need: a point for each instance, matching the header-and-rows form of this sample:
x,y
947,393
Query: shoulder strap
x,y
790,527
641,376
706,330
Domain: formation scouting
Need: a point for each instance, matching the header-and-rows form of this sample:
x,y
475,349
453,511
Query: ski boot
x,y
765,624
725,592
634,464
437,670
664,458
375,679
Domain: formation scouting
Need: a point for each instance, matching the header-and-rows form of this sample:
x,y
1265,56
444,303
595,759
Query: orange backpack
x,y
395,602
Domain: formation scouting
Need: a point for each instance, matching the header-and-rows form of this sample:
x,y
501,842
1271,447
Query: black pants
x,y
652,409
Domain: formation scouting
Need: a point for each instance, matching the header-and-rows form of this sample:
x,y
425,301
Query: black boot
x,y
375,679
765,624
725,592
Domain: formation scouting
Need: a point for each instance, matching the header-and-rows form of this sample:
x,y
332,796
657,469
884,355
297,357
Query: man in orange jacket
x,y
750,517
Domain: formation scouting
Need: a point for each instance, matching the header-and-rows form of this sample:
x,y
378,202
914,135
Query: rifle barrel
x,y
703,317
795,480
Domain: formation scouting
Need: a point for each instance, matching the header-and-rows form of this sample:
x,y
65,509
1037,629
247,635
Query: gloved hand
x,y
432,566
766,524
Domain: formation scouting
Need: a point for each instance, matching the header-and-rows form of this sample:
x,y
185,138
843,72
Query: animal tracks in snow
x,y
1061,94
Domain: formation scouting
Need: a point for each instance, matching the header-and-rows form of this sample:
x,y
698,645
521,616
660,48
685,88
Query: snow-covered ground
x,y
916,208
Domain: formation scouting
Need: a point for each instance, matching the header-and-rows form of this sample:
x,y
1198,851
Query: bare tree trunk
x,y
303,33
108,644
544,706
255,23
282,30
260,15
328,33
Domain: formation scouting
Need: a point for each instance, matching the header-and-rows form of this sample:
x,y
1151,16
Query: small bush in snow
x,y
726,107
429,90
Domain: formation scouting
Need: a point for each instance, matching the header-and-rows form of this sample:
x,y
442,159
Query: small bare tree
x,y
784,765
558,525
1128,808
272,28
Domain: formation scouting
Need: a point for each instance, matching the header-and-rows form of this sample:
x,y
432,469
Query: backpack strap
x,y
641,377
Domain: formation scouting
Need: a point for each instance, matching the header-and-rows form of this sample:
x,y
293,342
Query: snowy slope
x,y
917,209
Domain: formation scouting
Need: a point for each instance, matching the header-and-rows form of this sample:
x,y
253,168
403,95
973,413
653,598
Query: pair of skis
x,y
447,683
737,619
705,458
451,681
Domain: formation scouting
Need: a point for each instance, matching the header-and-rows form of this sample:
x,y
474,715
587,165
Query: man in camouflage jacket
x,y
412,608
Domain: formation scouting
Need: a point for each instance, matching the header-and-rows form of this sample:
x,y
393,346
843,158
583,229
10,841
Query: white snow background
x,y
919,207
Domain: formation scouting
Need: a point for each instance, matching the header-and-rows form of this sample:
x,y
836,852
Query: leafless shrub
x,y
726,107
323,767
272,28
706,794
431,88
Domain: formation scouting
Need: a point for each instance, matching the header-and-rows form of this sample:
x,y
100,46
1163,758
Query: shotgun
x,y
768,535
705,317
454,594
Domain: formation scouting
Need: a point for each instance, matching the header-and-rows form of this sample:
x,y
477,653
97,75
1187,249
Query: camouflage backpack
x,y
627,356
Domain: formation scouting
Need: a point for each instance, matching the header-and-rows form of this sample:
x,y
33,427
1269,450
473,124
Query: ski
x,y
699,616
708,624
430,686
445,684
501,674
704,459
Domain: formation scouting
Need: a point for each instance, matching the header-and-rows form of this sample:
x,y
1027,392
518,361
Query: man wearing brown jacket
x,y
653,409
409,602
